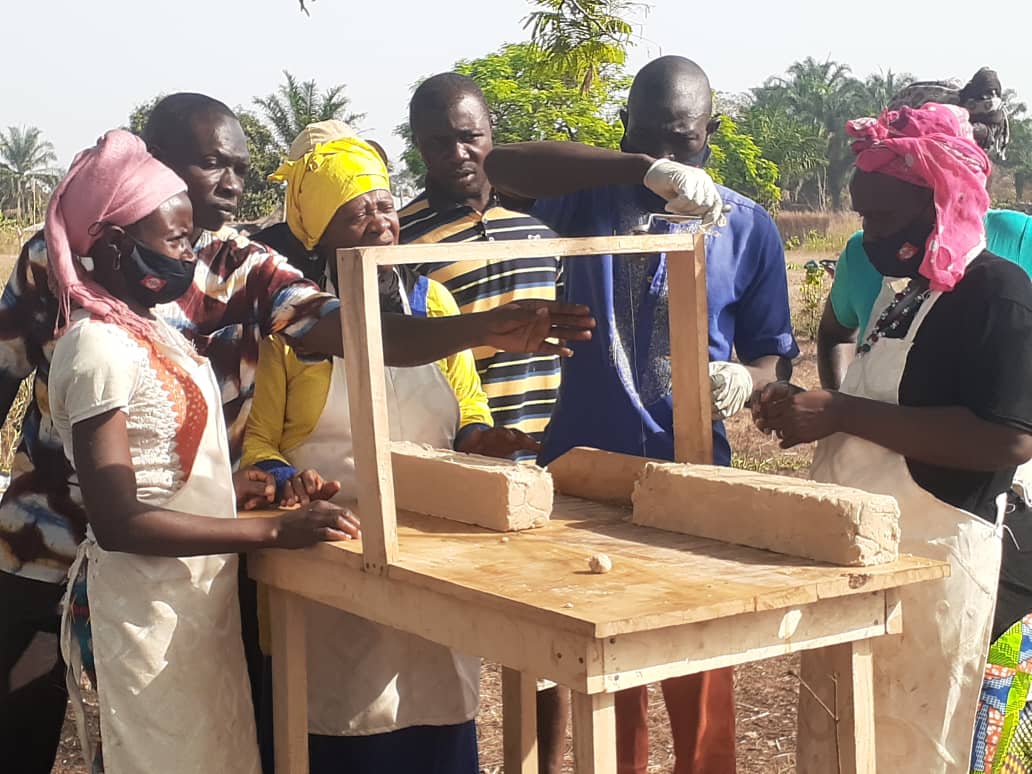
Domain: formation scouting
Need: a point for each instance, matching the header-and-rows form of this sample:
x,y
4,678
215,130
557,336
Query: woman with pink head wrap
x,y
935,410
153,594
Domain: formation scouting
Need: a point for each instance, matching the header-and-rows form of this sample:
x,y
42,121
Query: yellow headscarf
x,y
324,179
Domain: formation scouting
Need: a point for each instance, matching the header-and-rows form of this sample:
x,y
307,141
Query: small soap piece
x,y
600,564
825,522
497,494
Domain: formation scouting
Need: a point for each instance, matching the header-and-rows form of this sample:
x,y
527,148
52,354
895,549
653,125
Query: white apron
x,y
171,675
927,680
364,678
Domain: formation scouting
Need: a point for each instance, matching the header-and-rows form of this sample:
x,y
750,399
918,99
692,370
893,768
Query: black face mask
x,y
154,278
899,254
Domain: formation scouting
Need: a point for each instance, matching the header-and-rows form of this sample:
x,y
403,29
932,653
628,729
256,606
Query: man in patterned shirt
x,y
451,126
241,293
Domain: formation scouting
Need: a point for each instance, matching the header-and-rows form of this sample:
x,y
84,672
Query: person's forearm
x,y
832,363
170,533
536,170
407,341
769,369
836,348
950,437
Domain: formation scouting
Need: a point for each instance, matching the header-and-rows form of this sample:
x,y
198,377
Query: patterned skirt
x,y
1003,725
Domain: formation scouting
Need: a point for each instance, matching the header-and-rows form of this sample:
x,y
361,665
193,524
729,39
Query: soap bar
x,y
494,493
825,522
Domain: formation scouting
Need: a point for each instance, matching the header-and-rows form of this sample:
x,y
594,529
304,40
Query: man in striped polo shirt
x,y
451,127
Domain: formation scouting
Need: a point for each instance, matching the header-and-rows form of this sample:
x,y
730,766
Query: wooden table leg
x,y
289,682
836,710
594,733
519,722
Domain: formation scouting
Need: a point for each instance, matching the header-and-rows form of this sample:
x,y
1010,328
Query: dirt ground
x,y
766,693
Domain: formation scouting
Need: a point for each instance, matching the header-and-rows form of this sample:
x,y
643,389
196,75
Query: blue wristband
x,y
280,471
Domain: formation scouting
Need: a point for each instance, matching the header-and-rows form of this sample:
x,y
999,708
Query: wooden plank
x,y
859,756
647,657
598,475
594,733
659,579
525,644
493,252
367,401
836,705
689,354
519,722
289,682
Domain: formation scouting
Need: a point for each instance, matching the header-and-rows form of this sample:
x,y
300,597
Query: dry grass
x,y
816,231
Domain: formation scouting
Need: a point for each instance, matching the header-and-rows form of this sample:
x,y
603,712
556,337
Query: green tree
x,y
798,148
1019,155
581,38
528,102
260,196
738,163
26,171
296,104
821,96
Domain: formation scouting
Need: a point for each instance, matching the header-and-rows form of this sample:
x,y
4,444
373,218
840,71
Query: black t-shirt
x,y
974,349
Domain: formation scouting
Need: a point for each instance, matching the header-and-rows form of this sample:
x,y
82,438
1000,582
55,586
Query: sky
x,y
76,68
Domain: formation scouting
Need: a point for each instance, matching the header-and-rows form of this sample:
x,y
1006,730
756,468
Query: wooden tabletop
x,y
658,579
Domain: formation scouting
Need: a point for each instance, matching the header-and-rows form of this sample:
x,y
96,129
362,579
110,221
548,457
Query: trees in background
x,y
27,172
296,104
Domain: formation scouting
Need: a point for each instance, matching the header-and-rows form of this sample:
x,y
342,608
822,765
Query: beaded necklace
x,y
903,306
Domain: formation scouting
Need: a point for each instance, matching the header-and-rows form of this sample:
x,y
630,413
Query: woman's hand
x,y
318,523
497,442
255,488
797,416
307,486
526,326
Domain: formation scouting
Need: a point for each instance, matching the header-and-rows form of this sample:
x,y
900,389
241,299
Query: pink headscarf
x,y
117,182
933,147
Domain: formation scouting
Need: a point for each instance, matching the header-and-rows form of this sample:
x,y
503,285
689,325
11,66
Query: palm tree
x,y
25,169
296,104
880,88
823,95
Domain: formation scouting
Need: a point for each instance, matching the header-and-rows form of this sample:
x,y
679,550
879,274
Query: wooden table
x,y
672,605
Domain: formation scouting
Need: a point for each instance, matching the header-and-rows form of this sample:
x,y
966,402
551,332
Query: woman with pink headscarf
x,y
934,411
152,611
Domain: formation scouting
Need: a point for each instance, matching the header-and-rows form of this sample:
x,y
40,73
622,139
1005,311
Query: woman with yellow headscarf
x,y
380,701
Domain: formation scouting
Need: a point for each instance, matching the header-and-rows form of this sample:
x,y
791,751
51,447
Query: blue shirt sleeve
x,y
763,324
1009,235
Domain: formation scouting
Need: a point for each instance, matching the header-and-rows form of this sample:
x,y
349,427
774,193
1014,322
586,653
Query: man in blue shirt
x,y
615,393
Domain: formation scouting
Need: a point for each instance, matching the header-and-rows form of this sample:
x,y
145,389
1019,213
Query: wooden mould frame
x,y
363,353
827,611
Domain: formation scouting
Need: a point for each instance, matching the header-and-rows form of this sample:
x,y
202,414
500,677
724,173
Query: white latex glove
x,y
731,385
687,190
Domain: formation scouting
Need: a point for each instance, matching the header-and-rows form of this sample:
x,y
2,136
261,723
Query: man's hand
x,y
797,416
731,385
527,326
254,489
307,486
317,523
500,442
687,190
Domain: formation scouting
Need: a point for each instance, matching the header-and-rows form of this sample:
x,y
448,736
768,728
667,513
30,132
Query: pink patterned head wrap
x,y
117,182
933,147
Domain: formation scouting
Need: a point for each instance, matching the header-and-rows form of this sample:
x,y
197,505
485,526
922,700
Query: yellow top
x,y
289,394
